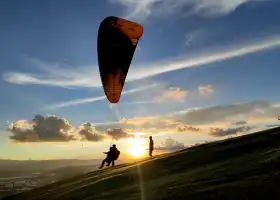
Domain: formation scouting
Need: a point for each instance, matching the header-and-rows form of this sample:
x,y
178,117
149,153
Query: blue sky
x,y
194,55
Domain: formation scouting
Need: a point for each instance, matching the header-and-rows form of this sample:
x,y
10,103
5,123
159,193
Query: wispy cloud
x,y
248,111
85,76
143,9
139,102
177,95
207,58
94,99
172,94
205,90
194,36
88,76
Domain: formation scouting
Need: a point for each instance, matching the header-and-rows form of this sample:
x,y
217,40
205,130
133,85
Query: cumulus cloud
x,y
55,129
170,145
88,76
205,90
89,133
118,133
42,129
142,9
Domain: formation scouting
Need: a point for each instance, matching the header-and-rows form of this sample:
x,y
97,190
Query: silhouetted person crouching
x,y
112,155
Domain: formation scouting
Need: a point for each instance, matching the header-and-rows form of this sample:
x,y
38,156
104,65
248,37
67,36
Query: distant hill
x,y
56,162
15,168
246,167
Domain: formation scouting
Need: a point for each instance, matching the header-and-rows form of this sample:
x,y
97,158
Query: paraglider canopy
x,y
116,44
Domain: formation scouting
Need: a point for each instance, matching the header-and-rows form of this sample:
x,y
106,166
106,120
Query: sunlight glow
x,y
136,146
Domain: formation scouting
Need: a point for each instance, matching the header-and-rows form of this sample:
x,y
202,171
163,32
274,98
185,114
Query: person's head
x,y
151,137
114,146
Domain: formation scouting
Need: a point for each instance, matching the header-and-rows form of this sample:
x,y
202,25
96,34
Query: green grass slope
x,y
247,167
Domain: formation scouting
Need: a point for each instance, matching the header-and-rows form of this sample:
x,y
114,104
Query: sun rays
x,y
136,147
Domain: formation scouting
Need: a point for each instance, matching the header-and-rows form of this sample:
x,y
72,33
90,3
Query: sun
x,y
136,147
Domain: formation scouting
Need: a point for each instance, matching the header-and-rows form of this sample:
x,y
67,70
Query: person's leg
x,y
151,152
113,163
102,164
108,163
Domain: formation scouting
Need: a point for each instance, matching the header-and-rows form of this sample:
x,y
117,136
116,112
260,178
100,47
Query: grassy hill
x,y
247,167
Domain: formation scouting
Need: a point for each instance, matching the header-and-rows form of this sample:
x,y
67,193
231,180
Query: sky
x,y
203,70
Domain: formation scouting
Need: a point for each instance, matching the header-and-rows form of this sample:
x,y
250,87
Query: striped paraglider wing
x,y
116,44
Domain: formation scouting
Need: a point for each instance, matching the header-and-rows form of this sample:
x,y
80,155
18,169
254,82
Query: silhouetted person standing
x,y
151,147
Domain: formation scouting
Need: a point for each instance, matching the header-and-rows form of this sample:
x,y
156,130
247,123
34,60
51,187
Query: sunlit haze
x,y
136,146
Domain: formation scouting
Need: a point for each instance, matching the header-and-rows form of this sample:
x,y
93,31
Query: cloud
x,y
217,121
169,95
155,125
55,74
272,125
185,128
143,9
139,102
205,90
217,7
190,37
196,121
230,113
76,80
55,129
94,99
239,123
118,133
42,129
170,145
172,94
196,36
89,133
88,76
217,132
